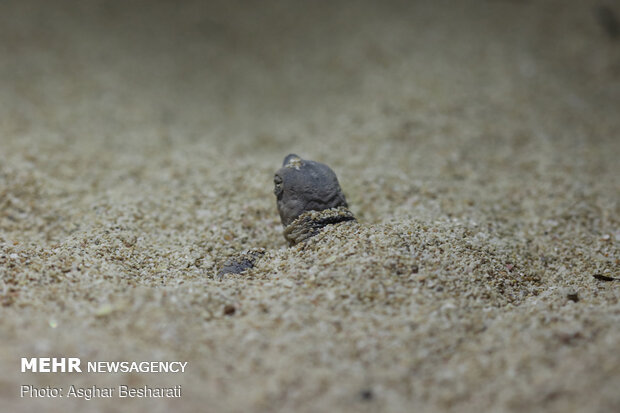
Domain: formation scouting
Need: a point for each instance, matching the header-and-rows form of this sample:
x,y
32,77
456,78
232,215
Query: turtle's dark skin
x,y
302,186
308,199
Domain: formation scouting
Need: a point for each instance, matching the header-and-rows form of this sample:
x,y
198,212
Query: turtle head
x,y
302,185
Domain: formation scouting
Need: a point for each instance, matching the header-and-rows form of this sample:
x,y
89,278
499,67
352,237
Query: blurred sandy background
x,y
477,143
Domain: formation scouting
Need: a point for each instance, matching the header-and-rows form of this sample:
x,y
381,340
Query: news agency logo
x,y
73,365
51,365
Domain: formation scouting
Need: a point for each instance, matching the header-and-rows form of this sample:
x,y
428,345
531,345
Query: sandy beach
x,y
477,143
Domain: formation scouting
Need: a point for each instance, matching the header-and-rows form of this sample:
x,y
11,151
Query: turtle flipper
x,y
241,262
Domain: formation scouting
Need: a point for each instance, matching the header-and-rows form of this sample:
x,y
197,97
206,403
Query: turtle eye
x,y
277,182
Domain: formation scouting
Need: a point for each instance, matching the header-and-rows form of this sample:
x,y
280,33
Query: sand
x,y
476,142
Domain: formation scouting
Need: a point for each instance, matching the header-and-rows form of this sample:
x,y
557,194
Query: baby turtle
x,y
303,190
309,198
